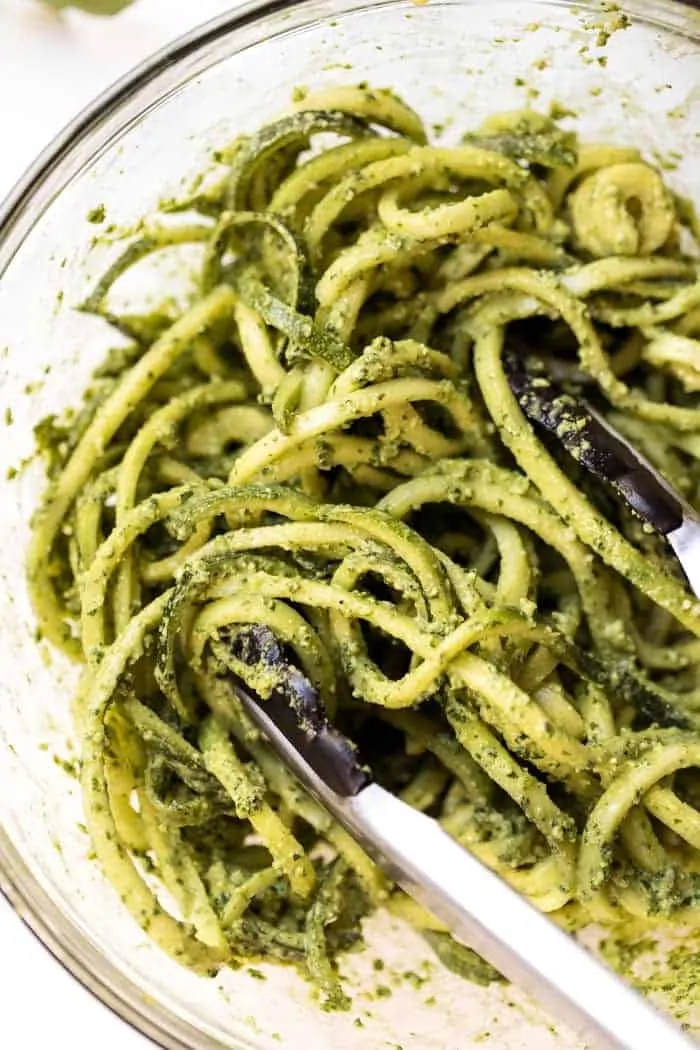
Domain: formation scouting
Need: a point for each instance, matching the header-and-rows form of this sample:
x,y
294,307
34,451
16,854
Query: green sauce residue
x,y
612,20
97,214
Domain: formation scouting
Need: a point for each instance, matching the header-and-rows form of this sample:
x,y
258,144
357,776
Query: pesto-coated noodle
x,y
324,441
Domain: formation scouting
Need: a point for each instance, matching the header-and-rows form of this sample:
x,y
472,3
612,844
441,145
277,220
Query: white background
x,y
50,67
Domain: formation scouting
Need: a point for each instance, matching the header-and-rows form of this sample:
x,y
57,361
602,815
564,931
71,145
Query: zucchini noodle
x,y
323,440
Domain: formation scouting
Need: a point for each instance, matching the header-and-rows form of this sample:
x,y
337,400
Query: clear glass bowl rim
x,y
128,99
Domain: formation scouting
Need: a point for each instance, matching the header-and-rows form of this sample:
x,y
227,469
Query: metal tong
x,y
604,453
478,907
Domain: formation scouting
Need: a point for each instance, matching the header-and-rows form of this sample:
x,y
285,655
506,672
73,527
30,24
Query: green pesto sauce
x,y
97,214
526,137
68,766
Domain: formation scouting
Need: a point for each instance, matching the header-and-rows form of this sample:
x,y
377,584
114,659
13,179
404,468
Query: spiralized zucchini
x,y
323,441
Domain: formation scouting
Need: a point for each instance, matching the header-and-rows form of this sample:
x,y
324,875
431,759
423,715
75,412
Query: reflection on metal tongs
x,y
478,907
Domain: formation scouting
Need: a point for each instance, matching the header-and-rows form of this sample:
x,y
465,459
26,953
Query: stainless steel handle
x,y
485,912
481,910
685,542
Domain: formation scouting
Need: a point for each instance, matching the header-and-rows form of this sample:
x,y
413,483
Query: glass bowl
x,y
456,61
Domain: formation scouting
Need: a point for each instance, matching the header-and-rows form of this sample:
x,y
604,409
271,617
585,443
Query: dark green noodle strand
x,y
289,134
318,436
324,911
293,266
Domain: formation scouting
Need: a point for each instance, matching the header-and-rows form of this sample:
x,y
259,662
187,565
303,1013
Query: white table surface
x,y
50,67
